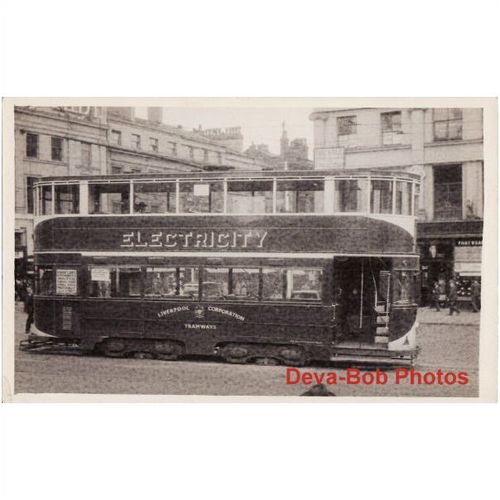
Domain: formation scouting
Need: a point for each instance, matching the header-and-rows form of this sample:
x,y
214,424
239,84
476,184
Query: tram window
x,y
160,282
273,285
154,197
109,198
67,199
404,287
215,283
381,197
244,284
188,282
351,195
403,198
45,280
45,200
250,197
199,197
129,282
110,281
100,282
303,284
299,196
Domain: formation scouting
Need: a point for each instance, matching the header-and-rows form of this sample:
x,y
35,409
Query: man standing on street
x,y
476,296
452,298
28,302
435,296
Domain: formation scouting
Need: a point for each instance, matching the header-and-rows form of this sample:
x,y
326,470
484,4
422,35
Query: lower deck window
x,y
114,281
405,287
232,283
45,280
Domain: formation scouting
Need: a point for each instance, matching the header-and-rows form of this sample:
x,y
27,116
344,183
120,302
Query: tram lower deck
x,y
289,311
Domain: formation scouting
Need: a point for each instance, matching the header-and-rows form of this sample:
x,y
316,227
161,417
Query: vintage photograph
x,y
246,248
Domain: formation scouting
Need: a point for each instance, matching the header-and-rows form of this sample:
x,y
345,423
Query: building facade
x,y
445,147
86,140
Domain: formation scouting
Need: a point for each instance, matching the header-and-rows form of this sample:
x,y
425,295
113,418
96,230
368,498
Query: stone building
x,y
52,141
444,146
87,140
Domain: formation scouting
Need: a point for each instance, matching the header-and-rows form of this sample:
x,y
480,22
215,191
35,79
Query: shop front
x,y
449,250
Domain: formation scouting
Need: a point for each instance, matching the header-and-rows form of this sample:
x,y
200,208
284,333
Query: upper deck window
x,y
403,198
109,198
67,199
155,197
201,197
299,196
250,197
381,197
45,193
351,195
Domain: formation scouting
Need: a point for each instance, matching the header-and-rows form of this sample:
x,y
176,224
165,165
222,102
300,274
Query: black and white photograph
x,y
251,247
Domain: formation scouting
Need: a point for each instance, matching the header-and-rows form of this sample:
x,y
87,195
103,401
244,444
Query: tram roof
x,y
244,175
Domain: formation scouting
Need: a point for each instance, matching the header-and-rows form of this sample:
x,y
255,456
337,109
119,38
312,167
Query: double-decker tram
x,y
266,267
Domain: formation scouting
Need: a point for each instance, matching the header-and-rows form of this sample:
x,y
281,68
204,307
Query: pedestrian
x,y
452,298
28,301
318,390
435,296
476,295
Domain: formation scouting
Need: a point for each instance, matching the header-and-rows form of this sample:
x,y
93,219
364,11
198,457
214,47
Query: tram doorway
x,y
362,290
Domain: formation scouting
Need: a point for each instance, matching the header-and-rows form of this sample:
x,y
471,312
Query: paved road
x,y
444,346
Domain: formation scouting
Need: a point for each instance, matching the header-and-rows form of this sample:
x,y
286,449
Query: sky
x,y
260,125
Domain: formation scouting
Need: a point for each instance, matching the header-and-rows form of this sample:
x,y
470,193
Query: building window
x,y
447,192
205,155
153,143
173,148
56,148
32,145
116,137
219,158
447,124
346,125
136,141
116,170
391,127
29,193
191,152
86,154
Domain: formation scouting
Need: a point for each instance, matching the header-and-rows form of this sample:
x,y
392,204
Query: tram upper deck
x,y
387,195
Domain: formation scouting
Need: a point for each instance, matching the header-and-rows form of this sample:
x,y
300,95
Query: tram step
x,y
381,339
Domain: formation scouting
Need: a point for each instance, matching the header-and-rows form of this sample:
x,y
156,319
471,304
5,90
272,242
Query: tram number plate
x,y
67,313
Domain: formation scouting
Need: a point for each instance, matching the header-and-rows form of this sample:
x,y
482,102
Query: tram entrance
x,y
362,289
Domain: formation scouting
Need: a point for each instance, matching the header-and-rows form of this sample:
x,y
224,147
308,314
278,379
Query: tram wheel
x,y
113,348
266,361
236,361
167,350
142,355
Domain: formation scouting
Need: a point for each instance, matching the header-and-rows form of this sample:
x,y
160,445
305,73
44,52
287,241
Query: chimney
x,y
155,114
